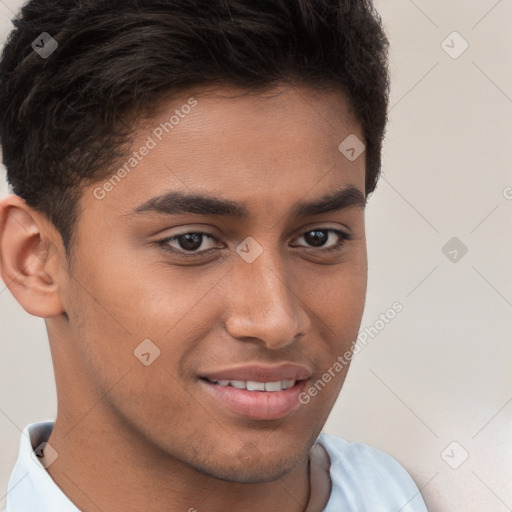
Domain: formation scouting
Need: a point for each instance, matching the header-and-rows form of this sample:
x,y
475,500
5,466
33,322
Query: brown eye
x,y
190,241
316,238
324,239
189,244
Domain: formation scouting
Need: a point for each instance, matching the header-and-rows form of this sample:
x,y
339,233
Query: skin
x,y
131,437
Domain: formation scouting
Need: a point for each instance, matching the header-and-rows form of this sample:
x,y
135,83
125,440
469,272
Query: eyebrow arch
x,y
175,203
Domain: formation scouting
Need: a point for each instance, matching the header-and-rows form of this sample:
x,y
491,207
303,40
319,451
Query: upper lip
x,y
259,373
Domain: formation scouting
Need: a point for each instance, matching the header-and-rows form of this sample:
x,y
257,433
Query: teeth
x,y
255,386
273,386
251,385
288,383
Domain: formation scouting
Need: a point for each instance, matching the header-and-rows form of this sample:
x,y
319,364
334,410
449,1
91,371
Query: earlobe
x,y
29,258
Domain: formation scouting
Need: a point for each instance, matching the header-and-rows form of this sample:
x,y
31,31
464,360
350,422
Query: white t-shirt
x,y
363,479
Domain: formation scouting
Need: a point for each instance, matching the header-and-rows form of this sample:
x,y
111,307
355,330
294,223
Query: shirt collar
x,y
30,486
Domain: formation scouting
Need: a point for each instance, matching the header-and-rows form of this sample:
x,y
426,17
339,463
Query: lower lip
x,y
257,405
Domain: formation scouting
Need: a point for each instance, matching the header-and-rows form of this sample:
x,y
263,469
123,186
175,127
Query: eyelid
x,y
164,243
343,236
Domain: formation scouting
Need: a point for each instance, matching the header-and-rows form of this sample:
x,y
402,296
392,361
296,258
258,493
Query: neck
x,y
111,468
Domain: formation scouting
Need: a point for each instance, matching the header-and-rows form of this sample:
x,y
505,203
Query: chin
x,y
254,474
250,465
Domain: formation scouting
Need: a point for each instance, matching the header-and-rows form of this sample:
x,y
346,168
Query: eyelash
x,y
164,244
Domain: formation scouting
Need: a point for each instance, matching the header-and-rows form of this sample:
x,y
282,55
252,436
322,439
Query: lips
x,y
258,373
257,392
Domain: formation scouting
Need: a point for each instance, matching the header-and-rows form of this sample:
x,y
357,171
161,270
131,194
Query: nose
x,y
263,304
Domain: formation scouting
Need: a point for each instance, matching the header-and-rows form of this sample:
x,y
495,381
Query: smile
x,y
255,400
251,385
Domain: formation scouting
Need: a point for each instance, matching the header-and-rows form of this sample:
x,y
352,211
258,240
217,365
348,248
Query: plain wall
x,y
440,371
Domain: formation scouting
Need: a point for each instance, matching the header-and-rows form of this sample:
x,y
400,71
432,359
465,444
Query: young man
x,y
189,187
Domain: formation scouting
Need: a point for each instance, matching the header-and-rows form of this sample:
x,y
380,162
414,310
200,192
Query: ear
x,y
31,253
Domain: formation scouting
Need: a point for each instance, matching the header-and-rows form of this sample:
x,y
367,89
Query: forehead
x,y
260,148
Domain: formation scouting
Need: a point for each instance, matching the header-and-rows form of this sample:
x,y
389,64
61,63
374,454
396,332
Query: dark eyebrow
x,y
344,198
174,203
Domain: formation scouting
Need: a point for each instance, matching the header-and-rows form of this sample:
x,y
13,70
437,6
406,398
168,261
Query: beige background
x,y
440,372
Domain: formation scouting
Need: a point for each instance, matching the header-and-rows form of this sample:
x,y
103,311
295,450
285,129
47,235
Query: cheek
x,y
110,321
141,298
116,308
335,298
336,294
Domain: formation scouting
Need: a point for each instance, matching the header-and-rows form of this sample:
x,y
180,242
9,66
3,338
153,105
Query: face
x,y
262,279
